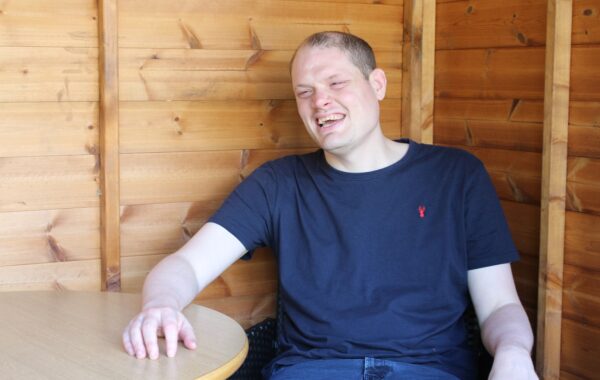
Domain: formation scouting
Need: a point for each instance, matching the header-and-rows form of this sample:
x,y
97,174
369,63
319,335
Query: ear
x,y
378,82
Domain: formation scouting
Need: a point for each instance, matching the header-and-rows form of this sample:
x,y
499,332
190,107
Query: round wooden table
x,y
77,335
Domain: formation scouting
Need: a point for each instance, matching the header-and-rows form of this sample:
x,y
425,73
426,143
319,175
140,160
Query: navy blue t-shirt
x,y
374,264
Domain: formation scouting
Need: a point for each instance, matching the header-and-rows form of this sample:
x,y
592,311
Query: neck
x,y
368,158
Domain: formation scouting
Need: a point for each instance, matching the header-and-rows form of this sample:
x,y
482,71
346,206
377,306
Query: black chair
x,y
262,341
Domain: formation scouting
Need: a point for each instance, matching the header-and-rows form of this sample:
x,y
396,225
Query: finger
x,y
186,334
135,336
170,329
149,328
127,342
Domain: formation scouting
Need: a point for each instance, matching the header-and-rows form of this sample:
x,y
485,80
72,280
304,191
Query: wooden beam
x,y
418,70
554,177
109,145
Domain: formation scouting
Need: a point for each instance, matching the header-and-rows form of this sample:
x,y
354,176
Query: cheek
x,y
304,111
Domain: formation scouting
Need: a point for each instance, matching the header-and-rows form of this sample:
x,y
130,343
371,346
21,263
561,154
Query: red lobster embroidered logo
x,y
422,211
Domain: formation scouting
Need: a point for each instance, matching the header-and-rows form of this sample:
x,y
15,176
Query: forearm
x,y
507,328
172,283
178,278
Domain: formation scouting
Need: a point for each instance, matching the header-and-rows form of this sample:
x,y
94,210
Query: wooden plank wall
x,y
49,215
489,90
581,280
206,97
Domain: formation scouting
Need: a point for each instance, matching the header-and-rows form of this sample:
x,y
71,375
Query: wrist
x,y
161,302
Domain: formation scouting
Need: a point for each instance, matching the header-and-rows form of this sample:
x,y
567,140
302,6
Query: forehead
x,y
315,61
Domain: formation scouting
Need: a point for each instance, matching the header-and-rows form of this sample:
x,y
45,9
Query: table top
x,y
77,335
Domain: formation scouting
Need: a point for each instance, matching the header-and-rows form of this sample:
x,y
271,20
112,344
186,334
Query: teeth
x,y
322,120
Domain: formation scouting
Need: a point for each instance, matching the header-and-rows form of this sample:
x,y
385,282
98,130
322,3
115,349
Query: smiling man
x,y
381,245
339,105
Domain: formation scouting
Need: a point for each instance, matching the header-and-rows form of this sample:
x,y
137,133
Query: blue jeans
x,y
358,369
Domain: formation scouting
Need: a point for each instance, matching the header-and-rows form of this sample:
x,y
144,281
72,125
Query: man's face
x,y
338,105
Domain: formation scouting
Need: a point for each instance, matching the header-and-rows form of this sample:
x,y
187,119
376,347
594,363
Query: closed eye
x,y
339,84
303,93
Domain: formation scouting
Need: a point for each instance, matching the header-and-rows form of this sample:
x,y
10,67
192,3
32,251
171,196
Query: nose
x,y
321,98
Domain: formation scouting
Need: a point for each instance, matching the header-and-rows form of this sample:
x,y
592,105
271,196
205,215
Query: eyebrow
x,y
332,76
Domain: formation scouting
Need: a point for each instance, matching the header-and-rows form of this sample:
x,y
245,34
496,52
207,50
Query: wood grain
x,y
264,24
554,177
109,145
69,275
524,223
48,129
585,80
51,319
154,229
515,175
32,237
48,74
583,185
47,183
182,74
418,73
581,301
223,125
582,241
580,352
178,177
488,24
586,25
69,23
490,134
511,73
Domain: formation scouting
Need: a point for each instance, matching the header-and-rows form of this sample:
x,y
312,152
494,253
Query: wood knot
x,y
91,126
470,9
274,103
91,149
588,12
57,252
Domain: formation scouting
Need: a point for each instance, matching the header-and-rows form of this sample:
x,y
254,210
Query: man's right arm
x,y
172,284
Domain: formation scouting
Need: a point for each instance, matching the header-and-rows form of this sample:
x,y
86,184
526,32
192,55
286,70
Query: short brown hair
x,y
358,50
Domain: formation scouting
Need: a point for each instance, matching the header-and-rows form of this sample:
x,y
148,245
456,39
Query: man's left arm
x,y
505,329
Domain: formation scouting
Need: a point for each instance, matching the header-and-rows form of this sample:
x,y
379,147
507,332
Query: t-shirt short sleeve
x,y
489,241
246,212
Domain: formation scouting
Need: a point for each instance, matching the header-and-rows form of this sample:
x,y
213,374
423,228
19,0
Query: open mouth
x,y
329,120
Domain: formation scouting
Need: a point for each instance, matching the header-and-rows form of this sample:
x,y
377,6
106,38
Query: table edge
x,y
228,368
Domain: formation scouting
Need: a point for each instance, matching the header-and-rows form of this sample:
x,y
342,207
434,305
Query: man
x,y
379,244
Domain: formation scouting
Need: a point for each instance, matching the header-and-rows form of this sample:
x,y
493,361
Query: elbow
x,y
507,327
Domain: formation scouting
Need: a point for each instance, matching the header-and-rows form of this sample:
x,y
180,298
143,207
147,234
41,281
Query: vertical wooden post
x,y
109,145
554,178
418,70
